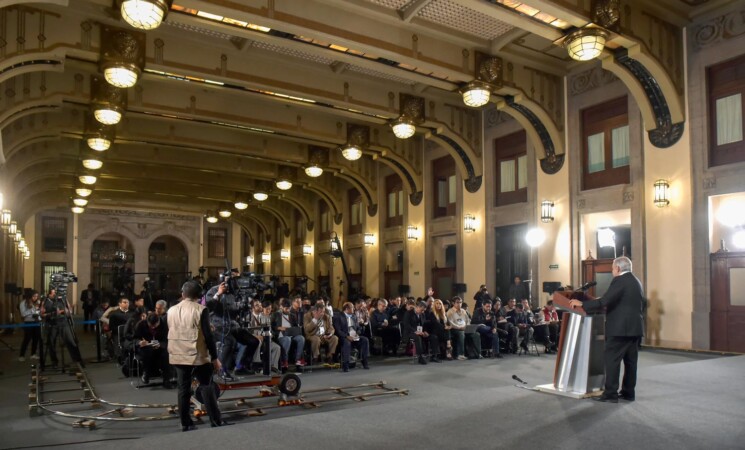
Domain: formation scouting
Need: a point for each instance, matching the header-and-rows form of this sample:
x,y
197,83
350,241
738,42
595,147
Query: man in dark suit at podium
x,y
624,303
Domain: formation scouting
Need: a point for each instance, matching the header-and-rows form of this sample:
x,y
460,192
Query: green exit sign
x,y
553,266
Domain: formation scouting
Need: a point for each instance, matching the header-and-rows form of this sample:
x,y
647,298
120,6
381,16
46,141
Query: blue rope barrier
x,y
38,324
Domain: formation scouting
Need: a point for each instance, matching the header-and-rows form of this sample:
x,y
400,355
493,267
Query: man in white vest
x,y
192,352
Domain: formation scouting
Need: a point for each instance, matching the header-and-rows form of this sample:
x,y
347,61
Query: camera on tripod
x,y
245,285
60,280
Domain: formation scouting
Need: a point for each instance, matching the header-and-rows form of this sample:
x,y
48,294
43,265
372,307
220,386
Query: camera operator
x,y
31,333
151,336
481,297
230,334
223,294
55,313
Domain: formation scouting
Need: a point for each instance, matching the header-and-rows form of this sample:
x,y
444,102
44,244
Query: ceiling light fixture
x,y
99,143
261,196
313,171
83,192
477,92
403,128
240,204
284,185
108,102
145,14
122,56
411,113
80,201
358,137
351,152
77,209
210,217
586,43
92,162
87,179
5,219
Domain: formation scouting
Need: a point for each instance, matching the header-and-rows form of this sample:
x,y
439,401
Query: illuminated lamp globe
x,y
210,217
313,171
99,144
83,192
144,14
87,179
92,163
476,94
585,44
27,254
80,201
535,237
351,153
225,213
284,185
260,196
240,204
77,209
121,76
403,128
107,115
739,239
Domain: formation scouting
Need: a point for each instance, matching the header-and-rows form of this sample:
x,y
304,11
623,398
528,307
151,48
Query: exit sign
x,y
553,266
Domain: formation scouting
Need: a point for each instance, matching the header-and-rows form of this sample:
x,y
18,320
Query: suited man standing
x,y
624,303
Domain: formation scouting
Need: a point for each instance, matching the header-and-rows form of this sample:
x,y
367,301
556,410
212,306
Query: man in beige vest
x,y
193,353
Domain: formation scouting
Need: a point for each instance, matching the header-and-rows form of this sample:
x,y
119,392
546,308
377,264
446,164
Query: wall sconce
x,y
22,244
27,254
5,219
469,223
586,43
18,236
661,193
266,257
145,14
249,260
547,211
307,250
334,246
488,78
412,233
122,55
211,217
13,228
411,113
369,239
284,254
107,102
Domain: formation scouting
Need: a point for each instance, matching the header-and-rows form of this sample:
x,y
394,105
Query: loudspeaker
x,y
403,289
551,286
11,288
460,288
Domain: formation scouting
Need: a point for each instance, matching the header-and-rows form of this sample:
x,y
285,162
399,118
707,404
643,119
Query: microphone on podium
x,y
586,286
516,378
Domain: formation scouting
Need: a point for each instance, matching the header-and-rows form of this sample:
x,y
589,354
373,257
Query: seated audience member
x,y
485,316
259,319
524,321
161,308
438,325
396,311
540,327
551,317
139,302
383,327
151,337
320,331
415,324
508,312
297,310
283,320
348,329
129,327
116,317
329,311
481,297
459,319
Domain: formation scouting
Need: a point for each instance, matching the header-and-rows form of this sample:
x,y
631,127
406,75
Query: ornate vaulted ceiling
x,y
234,94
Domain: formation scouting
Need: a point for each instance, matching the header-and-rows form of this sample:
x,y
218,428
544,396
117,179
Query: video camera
x,y
245,285
60,280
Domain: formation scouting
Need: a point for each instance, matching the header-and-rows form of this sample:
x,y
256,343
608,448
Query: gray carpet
x,y
684,400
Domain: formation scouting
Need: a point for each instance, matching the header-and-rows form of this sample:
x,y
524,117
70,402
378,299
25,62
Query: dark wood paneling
x,y
727,322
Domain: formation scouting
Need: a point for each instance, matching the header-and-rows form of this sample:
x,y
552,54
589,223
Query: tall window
x,y
217,243
512,169
606,146
394,201
726,87
443,175
299,228
355,211
54,234
325,214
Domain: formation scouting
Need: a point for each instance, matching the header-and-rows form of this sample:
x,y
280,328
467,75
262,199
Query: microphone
x,y
586,286
516,378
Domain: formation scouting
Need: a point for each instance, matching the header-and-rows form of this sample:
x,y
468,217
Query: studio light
x,y
547,211
476,94
351,152
261,196
210,217
469,223
284,254
661,189
83,192
535,237
145,14
403,127
586,43
313,171
266,257
79,201
307,249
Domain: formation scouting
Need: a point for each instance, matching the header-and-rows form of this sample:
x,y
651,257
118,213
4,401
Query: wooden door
x,y
393,279
443,282
727,319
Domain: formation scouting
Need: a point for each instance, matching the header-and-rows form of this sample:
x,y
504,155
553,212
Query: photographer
x,y
55,313
151,336
481,297
224,294
32,332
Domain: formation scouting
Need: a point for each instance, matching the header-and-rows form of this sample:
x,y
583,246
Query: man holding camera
x,y
481,297
55,313
151,336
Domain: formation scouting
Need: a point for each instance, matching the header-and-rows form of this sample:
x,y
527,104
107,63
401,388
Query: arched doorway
x,y
112,257
168,262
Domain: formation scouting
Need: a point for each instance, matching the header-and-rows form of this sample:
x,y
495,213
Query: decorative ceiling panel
x,y
392,4
381,75
291,52
458,17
